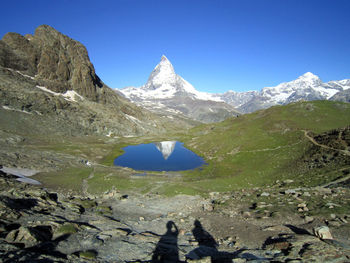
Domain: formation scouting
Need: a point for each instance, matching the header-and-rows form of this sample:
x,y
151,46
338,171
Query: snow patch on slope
x,y
69,95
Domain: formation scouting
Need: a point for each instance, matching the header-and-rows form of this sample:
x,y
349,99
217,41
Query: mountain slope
x,y
49,78
268,145
49,92
165,91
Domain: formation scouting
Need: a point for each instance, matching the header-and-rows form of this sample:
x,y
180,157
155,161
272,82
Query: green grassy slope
x,y
258,149
249,151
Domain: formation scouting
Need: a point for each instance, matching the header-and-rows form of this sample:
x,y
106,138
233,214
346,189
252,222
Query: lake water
x,y
159,156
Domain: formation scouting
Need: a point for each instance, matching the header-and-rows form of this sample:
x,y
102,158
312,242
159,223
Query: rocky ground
x,y
278,224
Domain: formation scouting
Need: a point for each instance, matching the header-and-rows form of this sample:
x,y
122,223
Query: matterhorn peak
x,y
164,62
164,58
162,75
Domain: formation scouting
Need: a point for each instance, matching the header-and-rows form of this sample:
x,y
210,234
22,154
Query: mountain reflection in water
x,y
166,148
159,156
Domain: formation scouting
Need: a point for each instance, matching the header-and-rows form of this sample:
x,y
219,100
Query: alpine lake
x,y
159,156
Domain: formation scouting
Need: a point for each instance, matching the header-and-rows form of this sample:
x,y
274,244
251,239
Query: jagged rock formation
x,y
165,91
57,61
50,85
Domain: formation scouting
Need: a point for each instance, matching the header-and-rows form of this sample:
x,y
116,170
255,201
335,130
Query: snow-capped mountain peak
x,y
164,83
309,78
162,74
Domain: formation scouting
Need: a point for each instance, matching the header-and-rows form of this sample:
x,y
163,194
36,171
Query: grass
x,y
70,178
257,149
249,151
68,228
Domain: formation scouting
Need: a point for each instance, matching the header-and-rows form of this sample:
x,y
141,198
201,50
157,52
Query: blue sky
x,y
216,45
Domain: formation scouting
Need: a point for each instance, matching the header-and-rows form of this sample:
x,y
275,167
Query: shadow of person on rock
x,y
167,249
206,242
208,247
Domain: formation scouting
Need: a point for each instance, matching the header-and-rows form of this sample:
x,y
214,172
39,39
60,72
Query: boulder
x,y
323,232
29,236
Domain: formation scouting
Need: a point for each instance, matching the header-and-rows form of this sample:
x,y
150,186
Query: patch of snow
x,y
22,174
19,72
69,95
132,118
48,90
24,75
12,109
328,93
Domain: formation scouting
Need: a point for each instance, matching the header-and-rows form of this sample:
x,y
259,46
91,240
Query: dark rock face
x,y
49,77
59,62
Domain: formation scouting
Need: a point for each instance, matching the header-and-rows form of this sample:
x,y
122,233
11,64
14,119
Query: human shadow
x,y
207,246
167,249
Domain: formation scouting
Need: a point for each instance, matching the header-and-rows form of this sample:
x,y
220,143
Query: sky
x,y
216,45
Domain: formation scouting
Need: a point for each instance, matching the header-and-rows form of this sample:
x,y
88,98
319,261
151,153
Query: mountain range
x,y
167,91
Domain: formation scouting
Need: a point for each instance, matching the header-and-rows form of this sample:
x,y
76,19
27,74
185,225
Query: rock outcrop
x,y
57,61
49,83
38,225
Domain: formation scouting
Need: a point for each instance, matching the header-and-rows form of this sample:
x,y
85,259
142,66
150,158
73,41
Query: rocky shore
x,y
256,225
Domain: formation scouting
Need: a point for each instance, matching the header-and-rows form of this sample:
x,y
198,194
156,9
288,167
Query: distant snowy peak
x,y
164,83
162,74
307,86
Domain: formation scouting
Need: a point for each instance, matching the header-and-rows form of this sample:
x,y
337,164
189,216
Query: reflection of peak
x,y
166,148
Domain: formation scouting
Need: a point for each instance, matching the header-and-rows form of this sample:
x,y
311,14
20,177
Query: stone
x,y
343,220
29,236
264,194
202,260
323,232
247,214
334,223
288,181
208,207
290,192
309,219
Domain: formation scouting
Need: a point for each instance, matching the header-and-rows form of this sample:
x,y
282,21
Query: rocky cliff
x,y
57,61
49,85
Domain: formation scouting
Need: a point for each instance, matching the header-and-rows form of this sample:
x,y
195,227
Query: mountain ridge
x,y
306,87
165,91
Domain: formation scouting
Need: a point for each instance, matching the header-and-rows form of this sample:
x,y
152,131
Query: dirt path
x,y
312,140
85,185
